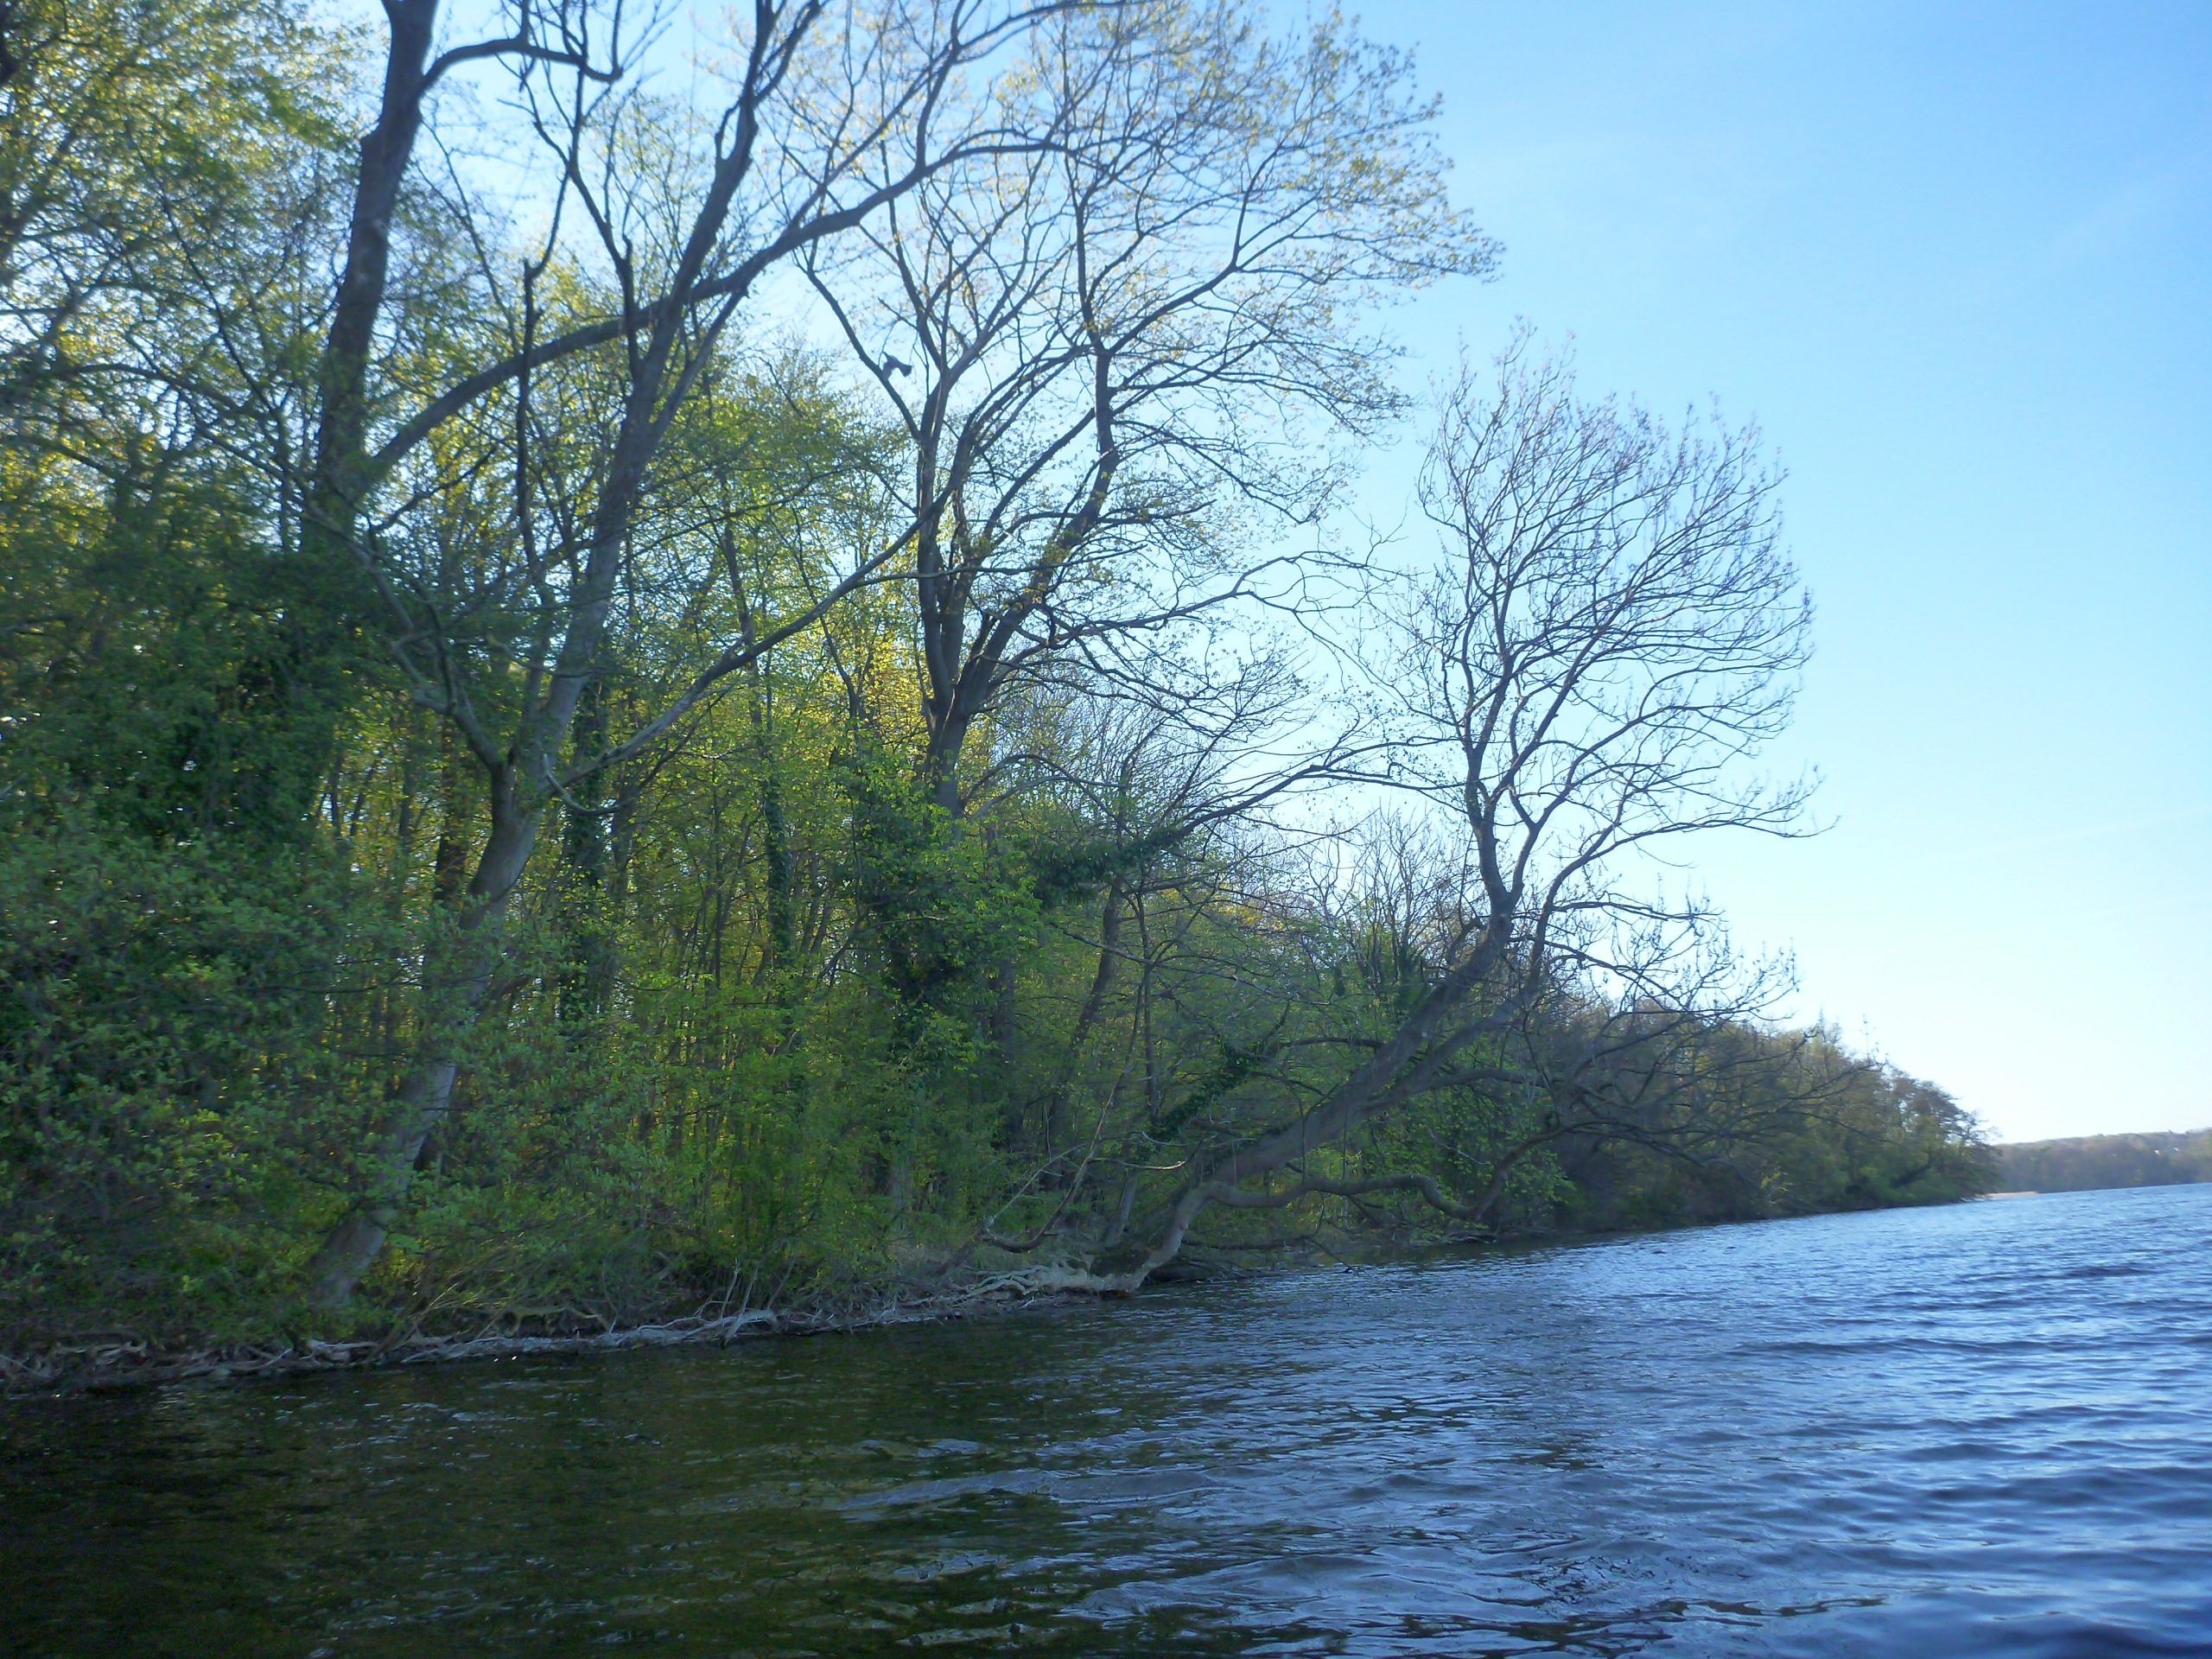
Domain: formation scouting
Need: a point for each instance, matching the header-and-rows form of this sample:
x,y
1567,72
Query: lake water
x,y
1979,1430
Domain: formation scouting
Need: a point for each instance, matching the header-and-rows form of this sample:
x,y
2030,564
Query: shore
x,y
122,1361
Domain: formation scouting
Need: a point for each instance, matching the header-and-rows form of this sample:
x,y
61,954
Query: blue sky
x,y
1957,260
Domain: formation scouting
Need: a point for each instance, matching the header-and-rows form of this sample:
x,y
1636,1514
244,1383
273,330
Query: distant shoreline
x,y
2088,1163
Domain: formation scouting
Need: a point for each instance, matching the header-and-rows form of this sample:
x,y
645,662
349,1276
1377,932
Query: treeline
x,y
1870,1138
2085,1162
618,703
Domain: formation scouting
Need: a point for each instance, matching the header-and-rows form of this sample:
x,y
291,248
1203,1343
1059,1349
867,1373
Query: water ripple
x,y
1979,1430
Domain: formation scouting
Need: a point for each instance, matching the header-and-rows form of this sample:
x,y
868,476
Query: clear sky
x,y
1957,260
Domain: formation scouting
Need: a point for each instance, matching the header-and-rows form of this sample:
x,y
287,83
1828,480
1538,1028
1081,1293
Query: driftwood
x,y
126,1362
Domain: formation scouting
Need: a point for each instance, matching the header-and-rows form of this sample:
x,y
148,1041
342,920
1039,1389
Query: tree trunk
x,y
1375,1081
588,972
941,762
456,980
341,478
781,950
1094,1001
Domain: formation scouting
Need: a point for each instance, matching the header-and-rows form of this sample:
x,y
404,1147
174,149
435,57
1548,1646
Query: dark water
x,y
1979,1430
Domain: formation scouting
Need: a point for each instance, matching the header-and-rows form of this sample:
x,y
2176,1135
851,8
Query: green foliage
x,y
1840,1134
175,1095
158,676
1482,1145
2105,1160
944,906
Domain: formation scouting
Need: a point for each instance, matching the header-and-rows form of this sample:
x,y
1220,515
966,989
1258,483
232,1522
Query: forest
x,y
652,669
2089,1162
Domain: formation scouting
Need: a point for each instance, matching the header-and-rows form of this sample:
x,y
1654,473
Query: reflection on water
x,y
1985,1429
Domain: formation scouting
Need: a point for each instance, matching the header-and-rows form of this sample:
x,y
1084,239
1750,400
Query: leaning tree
x,y
1611,633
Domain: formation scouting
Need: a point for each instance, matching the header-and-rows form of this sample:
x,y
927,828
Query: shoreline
x,y
123,1364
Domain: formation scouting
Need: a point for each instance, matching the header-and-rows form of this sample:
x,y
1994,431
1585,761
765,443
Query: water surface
x,y
1982,1429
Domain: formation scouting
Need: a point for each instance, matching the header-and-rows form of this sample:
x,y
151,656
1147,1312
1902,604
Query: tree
x,y
1612,632
1104,351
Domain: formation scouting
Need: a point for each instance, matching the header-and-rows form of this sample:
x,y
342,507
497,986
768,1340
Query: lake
x,y
1980,1429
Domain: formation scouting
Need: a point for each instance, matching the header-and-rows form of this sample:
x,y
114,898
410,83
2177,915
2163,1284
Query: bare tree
x,y
1613,631
1107,352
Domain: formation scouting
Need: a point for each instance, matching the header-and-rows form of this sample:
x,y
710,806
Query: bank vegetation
x,y
658,671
